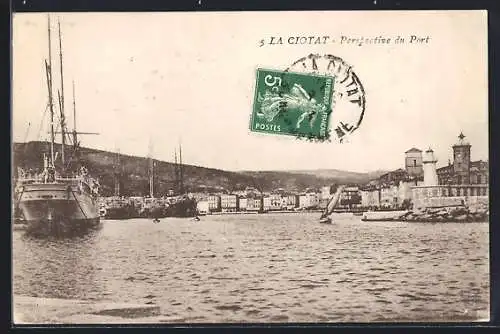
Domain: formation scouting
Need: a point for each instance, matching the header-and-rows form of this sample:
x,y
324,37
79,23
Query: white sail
x,y
333,202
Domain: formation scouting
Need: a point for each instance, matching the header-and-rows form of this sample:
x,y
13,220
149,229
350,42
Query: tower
x,y
430,174
461,160
413,162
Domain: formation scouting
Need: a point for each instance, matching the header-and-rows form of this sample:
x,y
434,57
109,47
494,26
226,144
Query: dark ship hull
x,y
116,213
155,212
183,208
57,208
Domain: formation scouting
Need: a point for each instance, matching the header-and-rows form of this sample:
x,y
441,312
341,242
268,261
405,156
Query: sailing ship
x,y
117,206
152,207
181,205
325,216
63,198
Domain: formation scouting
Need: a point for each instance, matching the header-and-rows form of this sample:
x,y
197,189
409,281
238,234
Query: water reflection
x,y
265,268
56,267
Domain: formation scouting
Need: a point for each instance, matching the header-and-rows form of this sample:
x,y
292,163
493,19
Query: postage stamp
x,y
292,103
319,97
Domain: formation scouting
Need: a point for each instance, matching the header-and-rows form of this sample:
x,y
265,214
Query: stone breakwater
x,y
476,213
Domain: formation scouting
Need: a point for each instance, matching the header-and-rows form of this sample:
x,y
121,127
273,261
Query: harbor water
x,y
268,268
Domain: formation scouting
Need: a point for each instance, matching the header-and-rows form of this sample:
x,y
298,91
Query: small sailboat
x,y
325,216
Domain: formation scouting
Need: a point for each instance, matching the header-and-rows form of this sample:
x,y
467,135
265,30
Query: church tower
x,y
461,160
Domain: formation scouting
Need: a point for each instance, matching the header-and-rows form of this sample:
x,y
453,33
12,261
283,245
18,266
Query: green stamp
x,y
290,103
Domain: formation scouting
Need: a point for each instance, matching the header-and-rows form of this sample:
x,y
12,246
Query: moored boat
x,y
383,215
118,208
51,204
64,197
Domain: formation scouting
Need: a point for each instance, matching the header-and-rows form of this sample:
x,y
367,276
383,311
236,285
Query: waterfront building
x,y
292,201
389,196
308,200
266,203
254,204
229,202
276,201
284,198
243,203
350,197
463,170
303,201
214,203
202,207
414,162
456,184
370,197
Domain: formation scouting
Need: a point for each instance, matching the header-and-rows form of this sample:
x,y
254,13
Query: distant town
x,y
418,184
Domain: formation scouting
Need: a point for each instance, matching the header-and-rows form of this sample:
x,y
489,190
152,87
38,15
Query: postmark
x,y
347,102
290,103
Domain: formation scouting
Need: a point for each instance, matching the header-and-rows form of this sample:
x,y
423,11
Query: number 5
x,y
275,80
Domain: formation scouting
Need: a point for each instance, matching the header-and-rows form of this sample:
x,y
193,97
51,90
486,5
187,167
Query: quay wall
x,y
449,195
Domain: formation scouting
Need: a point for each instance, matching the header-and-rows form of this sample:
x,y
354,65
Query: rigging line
x,y
78,203
27,132
41,122
18,199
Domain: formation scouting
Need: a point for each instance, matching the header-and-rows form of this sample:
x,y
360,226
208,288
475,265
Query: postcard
x,y
250,167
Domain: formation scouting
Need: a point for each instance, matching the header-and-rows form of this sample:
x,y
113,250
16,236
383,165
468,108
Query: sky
x,y
170,78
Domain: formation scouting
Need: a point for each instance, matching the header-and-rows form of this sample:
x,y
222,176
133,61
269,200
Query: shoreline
x,y
219,213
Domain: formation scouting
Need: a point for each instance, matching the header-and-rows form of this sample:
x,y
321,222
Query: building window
x,y
459,179
414,163
479,179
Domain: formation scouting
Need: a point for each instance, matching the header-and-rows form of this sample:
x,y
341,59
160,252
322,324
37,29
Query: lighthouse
x,y
430,174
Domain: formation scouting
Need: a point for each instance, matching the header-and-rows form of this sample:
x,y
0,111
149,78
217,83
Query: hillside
x,y
133,173
335,174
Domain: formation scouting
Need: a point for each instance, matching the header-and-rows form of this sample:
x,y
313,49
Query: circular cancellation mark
x,y
348,96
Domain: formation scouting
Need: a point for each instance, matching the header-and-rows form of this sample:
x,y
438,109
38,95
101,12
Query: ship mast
x,y
151,171
180,170
61,100
48,70
117,172
75,137
176,171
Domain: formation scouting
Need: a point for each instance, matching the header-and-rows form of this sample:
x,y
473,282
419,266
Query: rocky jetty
x,y
476,213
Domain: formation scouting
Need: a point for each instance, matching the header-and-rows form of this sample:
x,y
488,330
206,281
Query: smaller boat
x,y
325,220
197,219
325,216
156,220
